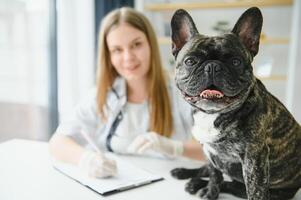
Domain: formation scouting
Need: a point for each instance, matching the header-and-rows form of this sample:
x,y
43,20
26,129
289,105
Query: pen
x,y
131,186
90,141
94,146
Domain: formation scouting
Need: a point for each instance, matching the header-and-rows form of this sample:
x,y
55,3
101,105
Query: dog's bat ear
x,y
248,29
182,28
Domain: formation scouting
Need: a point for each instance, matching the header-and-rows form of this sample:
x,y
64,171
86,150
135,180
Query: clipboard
x,y
128,177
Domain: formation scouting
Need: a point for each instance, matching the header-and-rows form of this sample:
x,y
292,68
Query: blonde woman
x,y
134,110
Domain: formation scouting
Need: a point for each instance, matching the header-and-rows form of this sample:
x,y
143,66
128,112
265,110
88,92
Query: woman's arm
x,y
194,150
65,149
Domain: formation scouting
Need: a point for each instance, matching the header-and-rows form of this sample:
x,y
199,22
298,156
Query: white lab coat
x,y
85,115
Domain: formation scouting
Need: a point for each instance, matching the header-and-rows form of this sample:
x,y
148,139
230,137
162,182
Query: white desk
x,y
26,173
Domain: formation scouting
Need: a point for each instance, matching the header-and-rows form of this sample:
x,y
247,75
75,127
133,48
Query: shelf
x,y
216,4
264,40
274,41
273,78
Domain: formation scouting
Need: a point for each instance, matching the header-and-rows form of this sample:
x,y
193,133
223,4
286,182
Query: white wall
x,y
294,82
75,51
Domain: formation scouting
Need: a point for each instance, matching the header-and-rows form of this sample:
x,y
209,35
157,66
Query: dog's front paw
x,y
210,192
194,185
183,173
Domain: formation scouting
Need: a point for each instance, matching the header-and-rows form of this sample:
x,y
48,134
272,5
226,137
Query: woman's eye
x,y
115,50
137,44
190,61
236,62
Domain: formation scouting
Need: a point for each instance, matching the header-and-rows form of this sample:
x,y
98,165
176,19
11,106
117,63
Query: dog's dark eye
x,y
190,61
236,62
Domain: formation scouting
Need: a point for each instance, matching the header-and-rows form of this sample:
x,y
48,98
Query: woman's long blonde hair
x,y
159,100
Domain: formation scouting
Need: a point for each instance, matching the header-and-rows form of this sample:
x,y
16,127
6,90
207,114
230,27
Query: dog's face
x,y
214,73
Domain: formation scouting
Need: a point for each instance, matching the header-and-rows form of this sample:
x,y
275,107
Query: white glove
x,y
156,142
97,165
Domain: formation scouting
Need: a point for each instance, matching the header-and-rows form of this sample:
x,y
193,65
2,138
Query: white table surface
x,y
26,173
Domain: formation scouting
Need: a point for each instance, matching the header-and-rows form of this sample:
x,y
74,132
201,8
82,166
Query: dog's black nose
x,y
212,67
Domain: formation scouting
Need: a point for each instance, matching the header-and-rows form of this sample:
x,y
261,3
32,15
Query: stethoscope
x,y
114,126
113,130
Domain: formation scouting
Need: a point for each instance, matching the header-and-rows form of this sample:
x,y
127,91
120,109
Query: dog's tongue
x,y
210,94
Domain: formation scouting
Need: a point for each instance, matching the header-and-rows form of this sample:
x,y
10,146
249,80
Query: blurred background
x,y
48,50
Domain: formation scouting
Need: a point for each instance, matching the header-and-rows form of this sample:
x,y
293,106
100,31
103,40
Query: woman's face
x,y
129,52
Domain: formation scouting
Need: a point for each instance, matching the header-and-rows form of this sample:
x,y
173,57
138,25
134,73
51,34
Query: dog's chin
x,y
213,101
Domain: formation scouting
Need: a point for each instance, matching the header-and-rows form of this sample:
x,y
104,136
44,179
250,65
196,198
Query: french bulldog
x,y
246,132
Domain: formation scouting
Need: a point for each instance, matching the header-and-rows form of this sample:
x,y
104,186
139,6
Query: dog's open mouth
x,y
211,93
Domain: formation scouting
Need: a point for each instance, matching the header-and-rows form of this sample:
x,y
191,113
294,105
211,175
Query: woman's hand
x,y
97,165
156,142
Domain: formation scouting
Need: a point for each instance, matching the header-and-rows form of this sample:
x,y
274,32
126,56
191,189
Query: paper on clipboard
x,y
128,176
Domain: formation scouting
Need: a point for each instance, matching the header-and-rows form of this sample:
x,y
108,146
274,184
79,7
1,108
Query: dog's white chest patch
x,y
203,129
